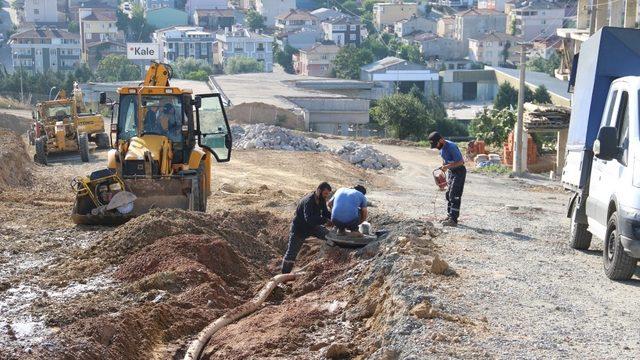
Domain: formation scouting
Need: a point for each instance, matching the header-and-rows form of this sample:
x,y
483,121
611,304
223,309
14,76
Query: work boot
x,y
356,234
342,232
450,222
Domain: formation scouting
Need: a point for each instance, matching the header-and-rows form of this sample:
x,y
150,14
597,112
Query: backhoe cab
x,y
164,140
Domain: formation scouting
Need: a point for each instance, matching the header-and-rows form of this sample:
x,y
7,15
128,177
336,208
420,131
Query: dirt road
x,y
541,298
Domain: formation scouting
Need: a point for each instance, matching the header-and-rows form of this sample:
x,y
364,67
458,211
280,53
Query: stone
x,y
439,266
422,311
337,351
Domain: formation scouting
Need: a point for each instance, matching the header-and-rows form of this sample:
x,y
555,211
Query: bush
x,y
541,95
241,64
117,68
493,126
403,116
191,69
507,96
349,60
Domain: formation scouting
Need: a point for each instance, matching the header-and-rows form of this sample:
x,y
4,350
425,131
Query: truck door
x,y
214,132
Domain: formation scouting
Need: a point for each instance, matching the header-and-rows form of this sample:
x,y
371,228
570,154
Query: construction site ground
x,y
512,287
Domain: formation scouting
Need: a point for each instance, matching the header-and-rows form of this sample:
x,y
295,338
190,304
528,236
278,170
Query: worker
x,y
311,217
150,121
453,165
349,209
170,121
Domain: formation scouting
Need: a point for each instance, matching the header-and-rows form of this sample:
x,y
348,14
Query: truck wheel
x,y
199,191
103,141
32,137
580,237
617,264
41,150
83,146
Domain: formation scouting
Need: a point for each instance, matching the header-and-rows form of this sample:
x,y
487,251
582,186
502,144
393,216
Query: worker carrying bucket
x,y
453,164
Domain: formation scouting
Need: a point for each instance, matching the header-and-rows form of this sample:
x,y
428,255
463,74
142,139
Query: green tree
x,y
541,95
437,112
349,60
135,28
547,66
73,27
508,96
284,57
240,65
403,116
493,126
410,53
254,20
117,68
191,69
377,47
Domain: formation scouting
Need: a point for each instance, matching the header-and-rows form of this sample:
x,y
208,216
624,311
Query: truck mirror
x,y
606,145
103,98
197,102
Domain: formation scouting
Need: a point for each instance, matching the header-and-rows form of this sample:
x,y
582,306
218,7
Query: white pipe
x,y
196,347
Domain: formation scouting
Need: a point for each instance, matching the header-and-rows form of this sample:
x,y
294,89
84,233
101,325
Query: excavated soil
x,y
14,123
16,165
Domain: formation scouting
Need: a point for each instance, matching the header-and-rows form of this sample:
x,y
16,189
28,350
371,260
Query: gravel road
x,y
541,298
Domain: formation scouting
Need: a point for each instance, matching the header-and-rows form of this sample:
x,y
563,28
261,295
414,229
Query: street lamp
x,y
21,89
50,90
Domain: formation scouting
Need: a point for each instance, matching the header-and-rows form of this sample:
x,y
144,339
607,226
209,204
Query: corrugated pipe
x,y
196,347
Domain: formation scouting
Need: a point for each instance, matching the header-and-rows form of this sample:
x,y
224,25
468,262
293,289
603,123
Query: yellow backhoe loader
x,y
64,124
165,140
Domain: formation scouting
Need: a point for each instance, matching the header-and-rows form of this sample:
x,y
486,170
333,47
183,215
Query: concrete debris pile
x,y
365,156
261,136
548,117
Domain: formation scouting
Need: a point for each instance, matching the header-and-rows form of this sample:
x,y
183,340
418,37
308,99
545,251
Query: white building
x,y
40,11
491,49
192,5
491,4
185,42
272,8
387,14
45,50
294,20
415,24
240,42
537,20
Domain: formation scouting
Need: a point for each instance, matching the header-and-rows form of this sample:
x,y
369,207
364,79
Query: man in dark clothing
x,y
310,217
453,164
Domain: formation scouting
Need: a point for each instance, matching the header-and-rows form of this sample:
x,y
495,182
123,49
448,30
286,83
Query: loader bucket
x,y
171,192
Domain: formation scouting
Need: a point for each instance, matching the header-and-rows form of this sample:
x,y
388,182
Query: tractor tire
x,y
32,137
83,146
41,150
580,236
199,191
618,265
103,141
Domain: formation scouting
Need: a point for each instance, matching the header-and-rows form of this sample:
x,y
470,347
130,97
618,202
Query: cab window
x,y
127,117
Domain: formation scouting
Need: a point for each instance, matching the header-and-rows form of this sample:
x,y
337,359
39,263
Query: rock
x,y
318,346
337,351
439,266
422,311
390,354
517,230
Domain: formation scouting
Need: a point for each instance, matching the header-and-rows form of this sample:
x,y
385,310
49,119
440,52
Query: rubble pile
x,y
261,136
547,117
365,156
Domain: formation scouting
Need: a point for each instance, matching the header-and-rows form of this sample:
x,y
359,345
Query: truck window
x,y
622,123
611,103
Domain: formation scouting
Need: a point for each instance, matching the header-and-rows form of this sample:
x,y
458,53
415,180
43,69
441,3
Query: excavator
x,y
63,124
164,141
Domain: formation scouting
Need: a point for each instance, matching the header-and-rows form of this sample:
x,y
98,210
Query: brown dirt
x,y
255,113
16,166
14,123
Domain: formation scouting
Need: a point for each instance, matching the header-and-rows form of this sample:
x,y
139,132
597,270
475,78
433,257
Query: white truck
x,y
602,168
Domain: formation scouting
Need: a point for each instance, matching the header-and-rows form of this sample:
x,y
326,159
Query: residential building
x,y
96,5
546,47
498,5
392,73
163,17
156,4
456,3
475,22
294,20
237,41
216,19
415,24
323,14
40,11
435,47
272,8
44,50
301,39
317,60
540,19
343,31
491,49
446,26
191,6
185,42
387,14
97,27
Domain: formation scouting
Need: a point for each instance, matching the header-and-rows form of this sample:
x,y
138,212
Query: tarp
x,y
609,54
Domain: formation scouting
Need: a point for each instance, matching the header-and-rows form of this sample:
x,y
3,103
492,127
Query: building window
x,y
352,37
36,11
260,47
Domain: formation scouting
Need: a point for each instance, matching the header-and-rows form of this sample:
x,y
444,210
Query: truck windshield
x,y
59,111
162,115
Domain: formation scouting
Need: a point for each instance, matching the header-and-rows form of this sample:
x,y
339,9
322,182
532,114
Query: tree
x,y
349,60
285,57
136,27
403,116
508,96
117,68
541,95
437,112
410,53
493,126
254,20
241,64
377,47
73,27
192,69
547,66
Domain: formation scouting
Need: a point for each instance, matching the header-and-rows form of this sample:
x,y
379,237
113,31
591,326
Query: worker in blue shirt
x,y
349,209
453,164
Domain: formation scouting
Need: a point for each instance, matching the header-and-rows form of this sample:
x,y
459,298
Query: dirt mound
x,y
15,123
16,166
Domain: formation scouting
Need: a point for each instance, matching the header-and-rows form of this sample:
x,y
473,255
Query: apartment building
x,y
294,20
343,31
446,26
99,35
492,48
476,22
435,47
215,19
415,24
185,42
540,19
240,42
42,50
498,5
40,11
156,4
270,9
191,6
317,60
387,14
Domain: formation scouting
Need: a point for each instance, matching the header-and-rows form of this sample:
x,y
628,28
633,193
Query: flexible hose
x,y
196,347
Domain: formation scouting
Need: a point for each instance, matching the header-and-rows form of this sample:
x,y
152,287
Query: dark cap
x,y
434,137
361,188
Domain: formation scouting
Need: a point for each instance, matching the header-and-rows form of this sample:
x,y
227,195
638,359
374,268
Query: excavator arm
x,y
158,75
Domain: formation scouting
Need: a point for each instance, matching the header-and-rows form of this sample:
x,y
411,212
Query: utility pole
x,y
518,136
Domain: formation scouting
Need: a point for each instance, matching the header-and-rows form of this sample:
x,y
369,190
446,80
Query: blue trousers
x,y
455,181
296,239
